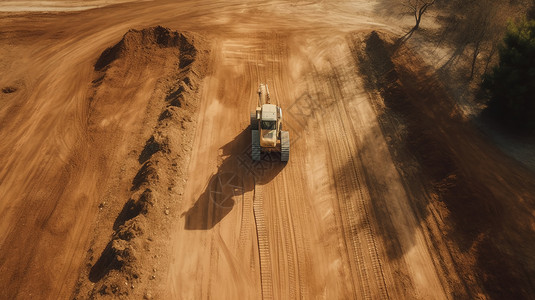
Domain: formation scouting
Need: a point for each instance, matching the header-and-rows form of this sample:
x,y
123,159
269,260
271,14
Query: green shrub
x,y
511,84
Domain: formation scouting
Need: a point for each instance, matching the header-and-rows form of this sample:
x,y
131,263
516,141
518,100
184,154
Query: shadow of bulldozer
x,y
236,175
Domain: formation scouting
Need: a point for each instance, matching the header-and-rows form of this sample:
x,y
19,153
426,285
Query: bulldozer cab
x,y
269,125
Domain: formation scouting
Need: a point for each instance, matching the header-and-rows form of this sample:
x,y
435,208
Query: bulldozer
x,y
266,128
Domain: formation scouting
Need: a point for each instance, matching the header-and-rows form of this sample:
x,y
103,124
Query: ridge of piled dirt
x,y
128,261
474,200
137,42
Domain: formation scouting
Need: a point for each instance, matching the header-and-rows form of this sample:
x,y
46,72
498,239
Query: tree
x,y
474,29
418,8
531,11
511,84
483,27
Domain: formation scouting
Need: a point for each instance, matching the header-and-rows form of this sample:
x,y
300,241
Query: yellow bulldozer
x,y
266,128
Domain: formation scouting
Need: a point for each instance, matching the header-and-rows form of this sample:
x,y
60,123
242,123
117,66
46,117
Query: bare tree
x,y
418,8
479,28
481,31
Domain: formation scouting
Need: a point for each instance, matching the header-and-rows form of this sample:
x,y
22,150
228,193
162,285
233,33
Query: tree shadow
x,y
236,175
447,164
401,40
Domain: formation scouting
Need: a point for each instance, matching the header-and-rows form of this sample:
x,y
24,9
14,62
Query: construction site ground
x,y
126,170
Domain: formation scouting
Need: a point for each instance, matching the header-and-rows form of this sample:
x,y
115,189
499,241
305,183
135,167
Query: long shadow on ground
x,y
236,175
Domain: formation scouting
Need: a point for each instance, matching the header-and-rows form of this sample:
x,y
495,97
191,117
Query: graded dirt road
x,y
314,218
336,222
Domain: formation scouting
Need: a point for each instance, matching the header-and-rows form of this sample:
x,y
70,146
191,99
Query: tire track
x,y
284,239
287,259
264,255
297,237
353,196
358,271
293,238
245,222
364,209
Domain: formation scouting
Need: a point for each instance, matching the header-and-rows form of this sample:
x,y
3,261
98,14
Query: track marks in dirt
x,y
257,42
285,208
353,216
330,87
278,260
219,150
263,244
298,244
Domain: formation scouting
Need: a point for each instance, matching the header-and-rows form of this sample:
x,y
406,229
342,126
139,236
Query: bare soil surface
x,y
54,5
126,169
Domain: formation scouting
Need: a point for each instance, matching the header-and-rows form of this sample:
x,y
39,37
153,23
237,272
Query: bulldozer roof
x,y
269,112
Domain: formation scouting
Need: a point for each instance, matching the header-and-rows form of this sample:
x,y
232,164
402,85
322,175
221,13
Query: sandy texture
x,y
127,172
54,5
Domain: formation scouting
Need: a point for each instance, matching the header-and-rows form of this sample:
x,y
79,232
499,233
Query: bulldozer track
x,y
297,238
353,199
353,245
256,150
285,242
214,261
285,146
264,255
286,259
289,259
245,222
364,199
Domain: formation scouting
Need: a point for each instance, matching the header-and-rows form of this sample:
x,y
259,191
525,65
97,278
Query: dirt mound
x,y
141,41
467,180
126,266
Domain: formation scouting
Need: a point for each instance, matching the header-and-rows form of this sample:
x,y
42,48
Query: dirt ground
x,y
126,169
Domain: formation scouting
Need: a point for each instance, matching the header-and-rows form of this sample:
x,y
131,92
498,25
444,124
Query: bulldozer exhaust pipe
x,y
263,94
